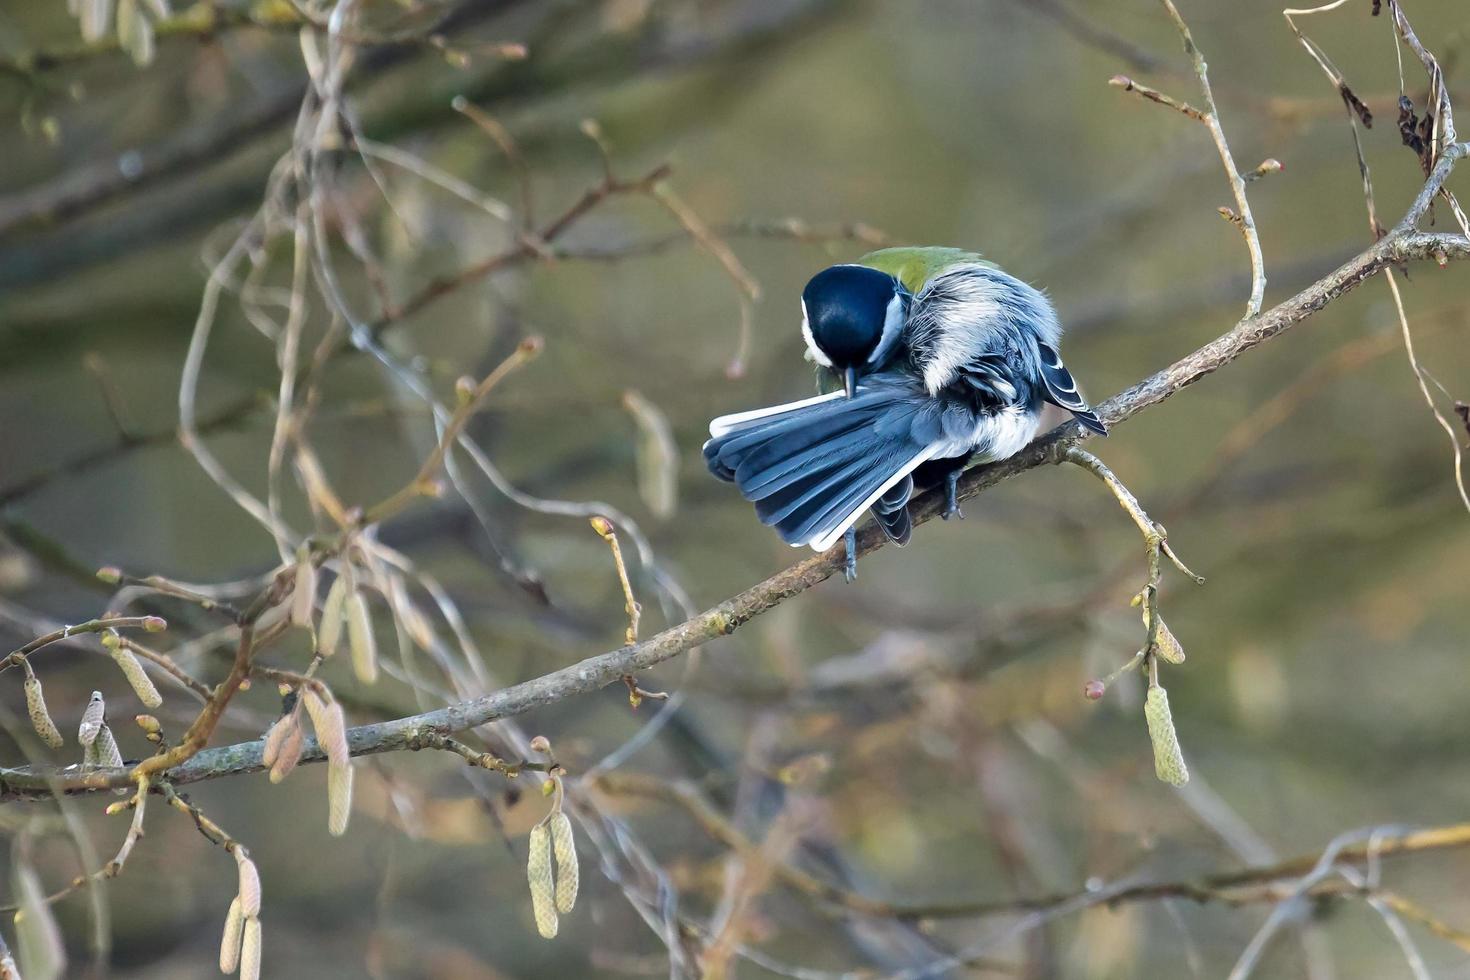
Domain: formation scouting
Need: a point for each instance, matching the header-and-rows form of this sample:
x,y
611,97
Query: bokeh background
x,y
918,736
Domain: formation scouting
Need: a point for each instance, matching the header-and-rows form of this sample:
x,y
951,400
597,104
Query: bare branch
x,y
597,672
1237,183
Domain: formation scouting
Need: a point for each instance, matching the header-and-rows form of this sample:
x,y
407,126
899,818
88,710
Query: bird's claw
x,y
952,497
849,567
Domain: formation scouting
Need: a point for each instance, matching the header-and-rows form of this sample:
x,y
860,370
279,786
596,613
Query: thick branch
x,y
596,672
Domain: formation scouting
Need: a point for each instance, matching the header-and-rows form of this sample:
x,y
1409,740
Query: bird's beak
x,y
849,381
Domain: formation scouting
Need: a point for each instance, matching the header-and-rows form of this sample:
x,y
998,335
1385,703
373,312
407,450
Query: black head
x,y
853,316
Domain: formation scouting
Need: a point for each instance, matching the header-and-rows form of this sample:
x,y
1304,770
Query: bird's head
x,y
852,317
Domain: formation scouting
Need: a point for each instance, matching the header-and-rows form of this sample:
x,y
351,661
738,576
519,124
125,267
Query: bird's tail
x,y
892,511
813,467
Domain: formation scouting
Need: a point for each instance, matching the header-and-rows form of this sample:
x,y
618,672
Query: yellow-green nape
x,y
915,265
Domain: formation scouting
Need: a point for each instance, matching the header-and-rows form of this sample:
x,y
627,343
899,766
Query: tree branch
x,y
1261,883
597,672
201,22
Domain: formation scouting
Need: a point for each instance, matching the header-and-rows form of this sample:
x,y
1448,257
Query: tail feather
x,y
816,487
898,526
800,426
883,472
813,468
892,512
782,454
729,423
758,483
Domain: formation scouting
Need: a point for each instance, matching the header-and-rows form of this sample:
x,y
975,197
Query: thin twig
x,y
422,483
1154,95
480,760
152,624
1419,376
1237,183
168,666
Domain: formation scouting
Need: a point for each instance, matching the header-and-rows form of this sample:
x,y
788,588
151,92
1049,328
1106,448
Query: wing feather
x,y
1061,389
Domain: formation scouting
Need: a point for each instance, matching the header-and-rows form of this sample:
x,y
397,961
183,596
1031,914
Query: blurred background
x,y
918,737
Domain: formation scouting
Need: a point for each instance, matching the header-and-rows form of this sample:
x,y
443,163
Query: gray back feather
x,y
973,311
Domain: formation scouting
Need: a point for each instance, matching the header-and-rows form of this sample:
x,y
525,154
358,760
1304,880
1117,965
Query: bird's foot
x,y
849,567
952,497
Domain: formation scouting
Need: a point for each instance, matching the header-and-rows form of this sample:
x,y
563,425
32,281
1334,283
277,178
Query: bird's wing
x,y
987,376
1061,389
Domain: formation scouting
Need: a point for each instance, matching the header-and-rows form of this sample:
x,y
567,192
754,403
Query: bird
x,y
943,359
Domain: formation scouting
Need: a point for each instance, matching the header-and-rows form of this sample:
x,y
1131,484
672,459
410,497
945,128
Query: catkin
x,y
331,730
339,797
92,719
1166,644
1168,759
275,736
543,889
38,937
330,634
95,17
360,639
133,671
36,707
229,947
134,32
303,600
410,616
290,752
249,884
108,754
250,950
656,453
565,850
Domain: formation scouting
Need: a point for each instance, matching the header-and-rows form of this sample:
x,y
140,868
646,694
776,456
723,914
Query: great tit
x,y
943,359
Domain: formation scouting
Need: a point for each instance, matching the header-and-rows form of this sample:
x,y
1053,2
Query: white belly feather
x,y
996,436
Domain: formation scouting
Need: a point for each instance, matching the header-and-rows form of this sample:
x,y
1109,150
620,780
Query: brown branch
x,y
597,672
1154,95
529,247
86,188
1093,35
153,624
203,727
231,416
722,830
1211,118
200,22
237,413
1257,884
481,760
472,398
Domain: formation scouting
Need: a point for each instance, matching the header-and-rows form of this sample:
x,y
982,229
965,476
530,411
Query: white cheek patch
x,y
893,322
813,351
